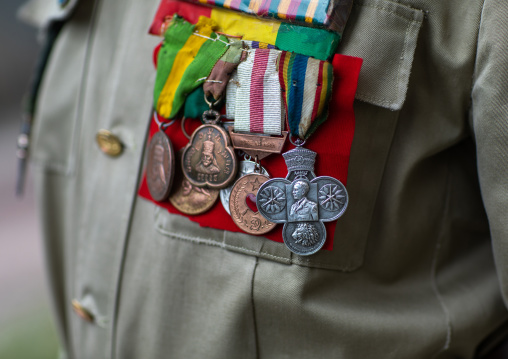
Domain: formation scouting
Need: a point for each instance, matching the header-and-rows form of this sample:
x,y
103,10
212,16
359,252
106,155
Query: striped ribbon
x,y
259,45
234,83
310,12
319,43
188,54
258,98
306,86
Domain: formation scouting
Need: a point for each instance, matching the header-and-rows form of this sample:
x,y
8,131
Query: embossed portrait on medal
x,y
309,201
302,209
208,159
207,163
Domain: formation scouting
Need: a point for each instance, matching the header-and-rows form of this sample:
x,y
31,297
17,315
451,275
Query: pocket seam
x,y
411,20
199,240
363,96
415,11
411,23
212,243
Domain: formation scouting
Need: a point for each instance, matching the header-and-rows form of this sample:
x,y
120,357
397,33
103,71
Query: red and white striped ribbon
x,y
258,107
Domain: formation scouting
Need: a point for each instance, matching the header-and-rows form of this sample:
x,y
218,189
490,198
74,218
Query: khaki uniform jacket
x,y
420,259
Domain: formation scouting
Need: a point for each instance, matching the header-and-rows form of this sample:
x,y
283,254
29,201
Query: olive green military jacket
x,y
420,259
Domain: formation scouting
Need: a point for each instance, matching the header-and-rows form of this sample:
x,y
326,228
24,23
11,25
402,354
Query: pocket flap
x,y
384,34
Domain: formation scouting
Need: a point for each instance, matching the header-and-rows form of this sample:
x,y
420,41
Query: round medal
x,y
244,168
304,238
242,204
160,166
190,199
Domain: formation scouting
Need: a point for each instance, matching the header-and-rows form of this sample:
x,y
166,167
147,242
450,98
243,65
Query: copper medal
x,y
190,199
209,159
242,204
160,166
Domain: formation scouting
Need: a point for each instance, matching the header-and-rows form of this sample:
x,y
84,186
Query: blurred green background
x,y
26,327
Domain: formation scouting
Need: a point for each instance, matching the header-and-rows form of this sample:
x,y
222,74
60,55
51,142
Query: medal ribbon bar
x,y
318,43
331,14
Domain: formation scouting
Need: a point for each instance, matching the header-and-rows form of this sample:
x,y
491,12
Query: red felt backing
x,y
332,140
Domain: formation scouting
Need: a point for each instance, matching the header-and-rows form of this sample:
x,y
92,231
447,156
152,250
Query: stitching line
x,y
401,86
213,243
385,101
411,18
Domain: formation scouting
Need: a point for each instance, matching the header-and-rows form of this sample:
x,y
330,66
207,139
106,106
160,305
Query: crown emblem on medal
x,y
300,159
208,147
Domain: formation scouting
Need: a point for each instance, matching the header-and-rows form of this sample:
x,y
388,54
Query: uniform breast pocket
x,y
384,34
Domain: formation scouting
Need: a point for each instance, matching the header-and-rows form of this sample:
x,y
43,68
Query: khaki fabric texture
x,y
412,273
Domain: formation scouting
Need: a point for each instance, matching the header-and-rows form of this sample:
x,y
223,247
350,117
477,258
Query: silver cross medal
x,y
302,202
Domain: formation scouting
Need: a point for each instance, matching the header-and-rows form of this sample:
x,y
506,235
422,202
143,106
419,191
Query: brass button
x,y
84,313
109,143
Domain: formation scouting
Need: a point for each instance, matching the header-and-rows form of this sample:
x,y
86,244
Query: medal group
x,y
254,83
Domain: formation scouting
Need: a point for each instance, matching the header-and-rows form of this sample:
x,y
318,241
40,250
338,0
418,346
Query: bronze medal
x,y
244,168
208,159
242,205
160,166
188,198
257,147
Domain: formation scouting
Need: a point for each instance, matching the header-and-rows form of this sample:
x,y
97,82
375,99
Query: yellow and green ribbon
x,y
185,59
